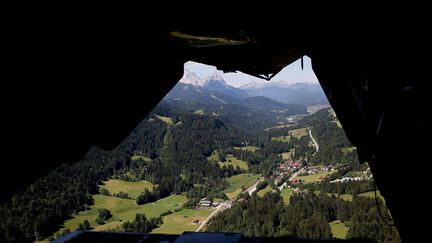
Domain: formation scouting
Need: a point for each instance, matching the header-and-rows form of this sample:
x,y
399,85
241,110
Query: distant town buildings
x,y
289,166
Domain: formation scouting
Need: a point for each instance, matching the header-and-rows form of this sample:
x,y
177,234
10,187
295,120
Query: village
x,y
295,168
291,174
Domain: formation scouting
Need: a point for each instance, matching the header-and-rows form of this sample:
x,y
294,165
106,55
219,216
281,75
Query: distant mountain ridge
x,y
301,93
214,82
248,113
193,93
296,93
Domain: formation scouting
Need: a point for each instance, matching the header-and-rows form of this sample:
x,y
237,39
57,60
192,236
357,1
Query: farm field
x,y
264,191
122,210
138,157
134,189
236,182
165,119
231,160
298,133
181,221
248,148
286,195
283,139
339,230
312,178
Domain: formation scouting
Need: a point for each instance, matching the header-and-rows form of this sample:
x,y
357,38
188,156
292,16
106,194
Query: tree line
x,y
331,139
172,150
306,216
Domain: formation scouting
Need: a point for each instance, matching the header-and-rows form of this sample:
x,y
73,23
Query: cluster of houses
x,y
289,166
365,175
204,202
295,181
315,170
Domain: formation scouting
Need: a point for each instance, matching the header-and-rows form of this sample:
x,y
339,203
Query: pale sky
x,y
290,74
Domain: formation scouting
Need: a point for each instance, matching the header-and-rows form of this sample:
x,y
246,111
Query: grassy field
x,y
199,112
238,181
288,155
262,192
109,226
338,124
233,194
298,133
214,156
231,160
279,126
371,194
137,157
122,210
283,139
134,189
348,197
286,194
312,178
181,221
339,230
248,148
165,119
347,150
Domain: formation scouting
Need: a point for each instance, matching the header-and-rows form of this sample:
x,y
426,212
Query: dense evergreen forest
x,y
306,216
163,150
171,149
331,139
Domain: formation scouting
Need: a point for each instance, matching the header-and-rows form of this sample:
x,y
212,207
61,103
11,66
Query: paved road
x,y
313,140
226,205
282,186
252,188
219,209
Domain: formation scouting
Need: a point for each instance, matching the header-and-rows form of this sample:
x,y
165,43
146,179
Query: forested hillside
x,y
180,148
332,197
306,216
334,146
198,152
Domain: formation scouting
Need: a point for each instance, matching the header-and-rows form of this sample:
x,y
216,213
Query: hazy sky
x,y
290,74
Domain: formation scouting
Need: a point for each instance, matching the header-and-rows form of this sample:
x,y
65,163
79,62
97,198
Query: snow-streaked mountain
x,y
211,95
195,93
191,78
258,84
213,82
199,97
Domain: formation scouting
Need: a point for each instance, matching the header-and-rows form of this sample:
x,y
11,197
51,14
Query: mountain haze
x,y
288,93
253,113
